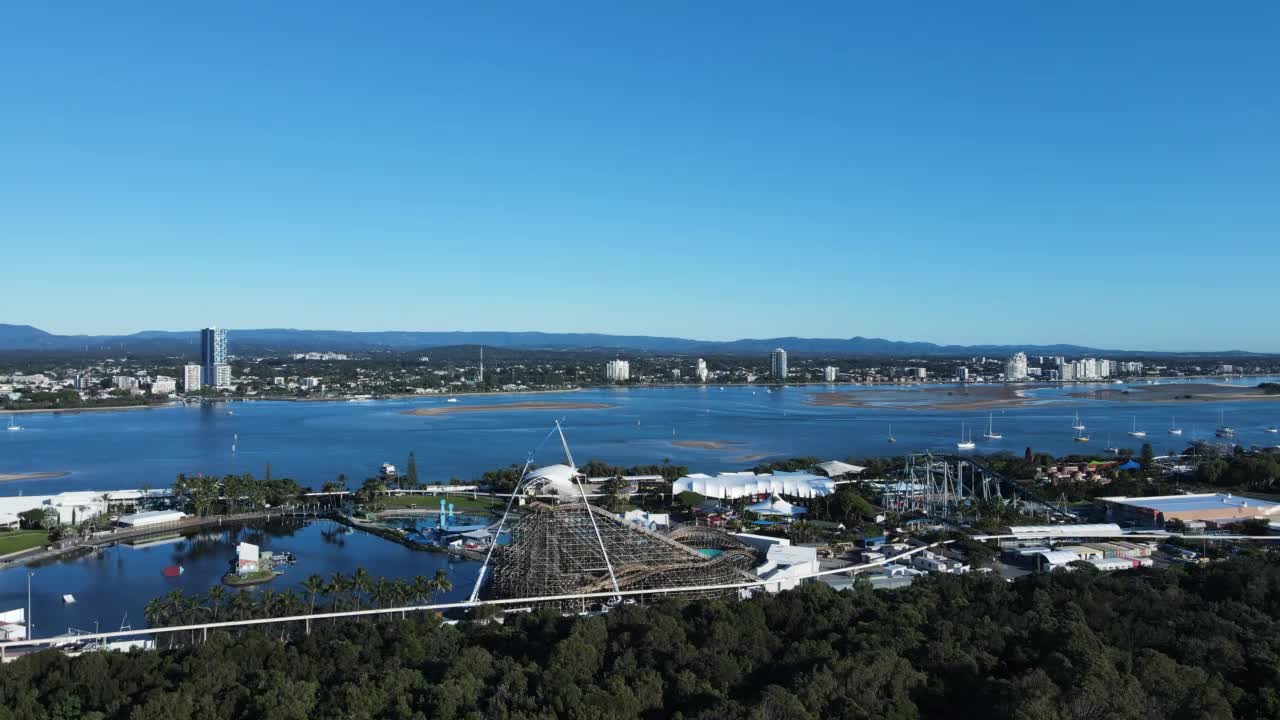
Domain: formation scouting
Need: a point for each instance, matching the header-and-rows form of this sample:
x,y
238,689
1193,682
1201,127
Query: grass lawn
x,y
15,540
461,502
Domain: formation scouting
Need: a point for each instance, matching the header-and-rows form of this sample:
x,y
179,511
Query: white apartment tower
x,y
1016,367
618,370
829,373
191,378
701,372
778,365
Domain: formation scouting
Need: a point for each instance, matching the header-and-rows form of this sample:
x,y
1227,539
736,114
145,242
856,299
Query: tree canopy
x,y
1191,642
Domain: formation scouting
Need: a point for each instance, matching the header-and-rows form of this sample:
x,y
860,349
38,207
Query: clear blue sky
x,y
1098,173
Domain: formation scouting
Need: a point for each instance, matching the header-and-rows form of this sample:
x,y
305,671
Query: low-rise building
x,y
1216,508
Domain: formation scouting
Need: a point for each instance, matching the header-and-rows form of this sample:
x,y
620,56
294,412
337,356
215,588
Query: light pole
x,y
31,626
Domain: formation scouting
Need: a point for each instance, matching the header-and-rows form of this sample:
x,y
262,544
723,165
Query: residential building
x,y
213,352
222,376
124,382
164,385
191,378
778,365
962,374
310,382
618,370
675,374
1016,368
701,372
829,373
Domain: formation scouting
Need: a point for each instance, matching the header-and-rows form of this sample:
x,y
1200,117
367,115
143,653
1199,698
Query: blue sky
x,y
1098,173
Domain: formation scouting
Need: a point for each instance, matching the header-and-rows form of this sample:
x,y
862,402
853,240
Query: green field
x,y
15,540
461,503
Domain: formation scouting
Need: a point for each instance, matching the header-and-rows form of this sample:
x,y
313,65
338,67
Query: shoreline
x,y
19,477
96,408
708,444
437,411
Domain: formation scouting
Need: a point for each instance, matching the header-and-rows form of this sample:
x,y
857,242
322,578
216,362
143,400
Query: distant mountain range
x,y
28,338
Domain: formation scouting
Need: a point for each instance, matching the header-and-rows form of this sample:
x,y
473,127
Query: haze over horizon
x,y
1093,175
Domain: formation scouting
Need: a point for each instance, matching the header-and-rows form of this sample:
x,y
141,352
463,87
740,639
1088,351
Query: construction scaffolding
x,y
556,550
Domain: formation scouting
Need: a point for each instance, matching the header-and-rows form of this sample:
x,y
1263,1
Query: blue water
x,y
313,442
114,585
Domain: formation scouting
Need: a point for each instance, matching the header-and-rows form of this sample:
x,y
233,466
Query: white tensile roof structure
x,y
558,477
728,486
775,506
835,468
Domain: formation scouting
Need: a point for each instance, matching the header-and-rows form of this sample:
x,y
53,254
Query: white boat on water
x,y
1272,429
892,439
965,443
1080,436
1173,427
13,427
1135,432
991,433
1077,425
452,400
1224,430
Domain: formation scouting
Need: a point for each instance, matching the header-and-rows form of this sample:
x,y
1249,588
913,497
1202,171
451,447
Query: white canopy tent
x,y
835,468
776,506
729,486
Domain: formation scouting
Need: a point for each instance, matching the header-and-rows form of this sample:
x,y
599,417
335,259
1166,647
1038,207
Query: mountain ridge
x,y
30,338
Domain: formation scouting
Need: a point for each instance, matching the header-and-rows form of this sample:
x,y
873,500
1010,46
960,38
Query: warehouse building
x,y
1216,508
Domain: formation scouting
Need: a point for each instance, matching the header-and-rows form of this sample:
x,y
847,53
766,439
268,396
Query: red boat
x,y
173,571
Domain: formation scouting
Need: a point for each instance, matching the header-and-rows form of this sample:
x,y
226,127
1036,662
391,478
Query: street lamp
x,y
31,626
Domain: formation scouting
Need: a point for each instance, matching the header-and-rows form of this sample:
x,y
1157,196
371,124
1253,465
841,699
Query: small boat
x,y
892,439
1135,432
965,444
991,433
1173,427
1080,436
1224,430
172,571
1272,429
452,400
1111,448
68,599
1077,425
13,427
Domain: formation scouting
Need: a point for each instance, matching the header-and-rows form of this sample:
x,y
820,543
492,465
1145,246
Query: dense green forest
x,y
1192,642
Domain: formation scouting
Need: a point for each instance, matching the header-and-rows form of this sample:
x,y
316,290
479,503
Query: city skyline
x,y
958,174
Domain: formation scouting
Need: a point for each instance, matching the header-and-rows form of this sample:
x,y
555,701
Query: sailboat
x,y
1173,427
1272,429
991,433
13,427
965,444
1112,448
234,437
1224,430
1077,425
1135,432
1080,436
892,439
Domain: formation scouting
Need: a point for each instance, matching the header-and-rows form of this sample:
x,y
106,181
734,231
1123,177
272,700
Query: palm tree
x,y
442,582
267,604
380,592
422,589
242,605
359,584
154,612
313,585
401,591
337,586
216,595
